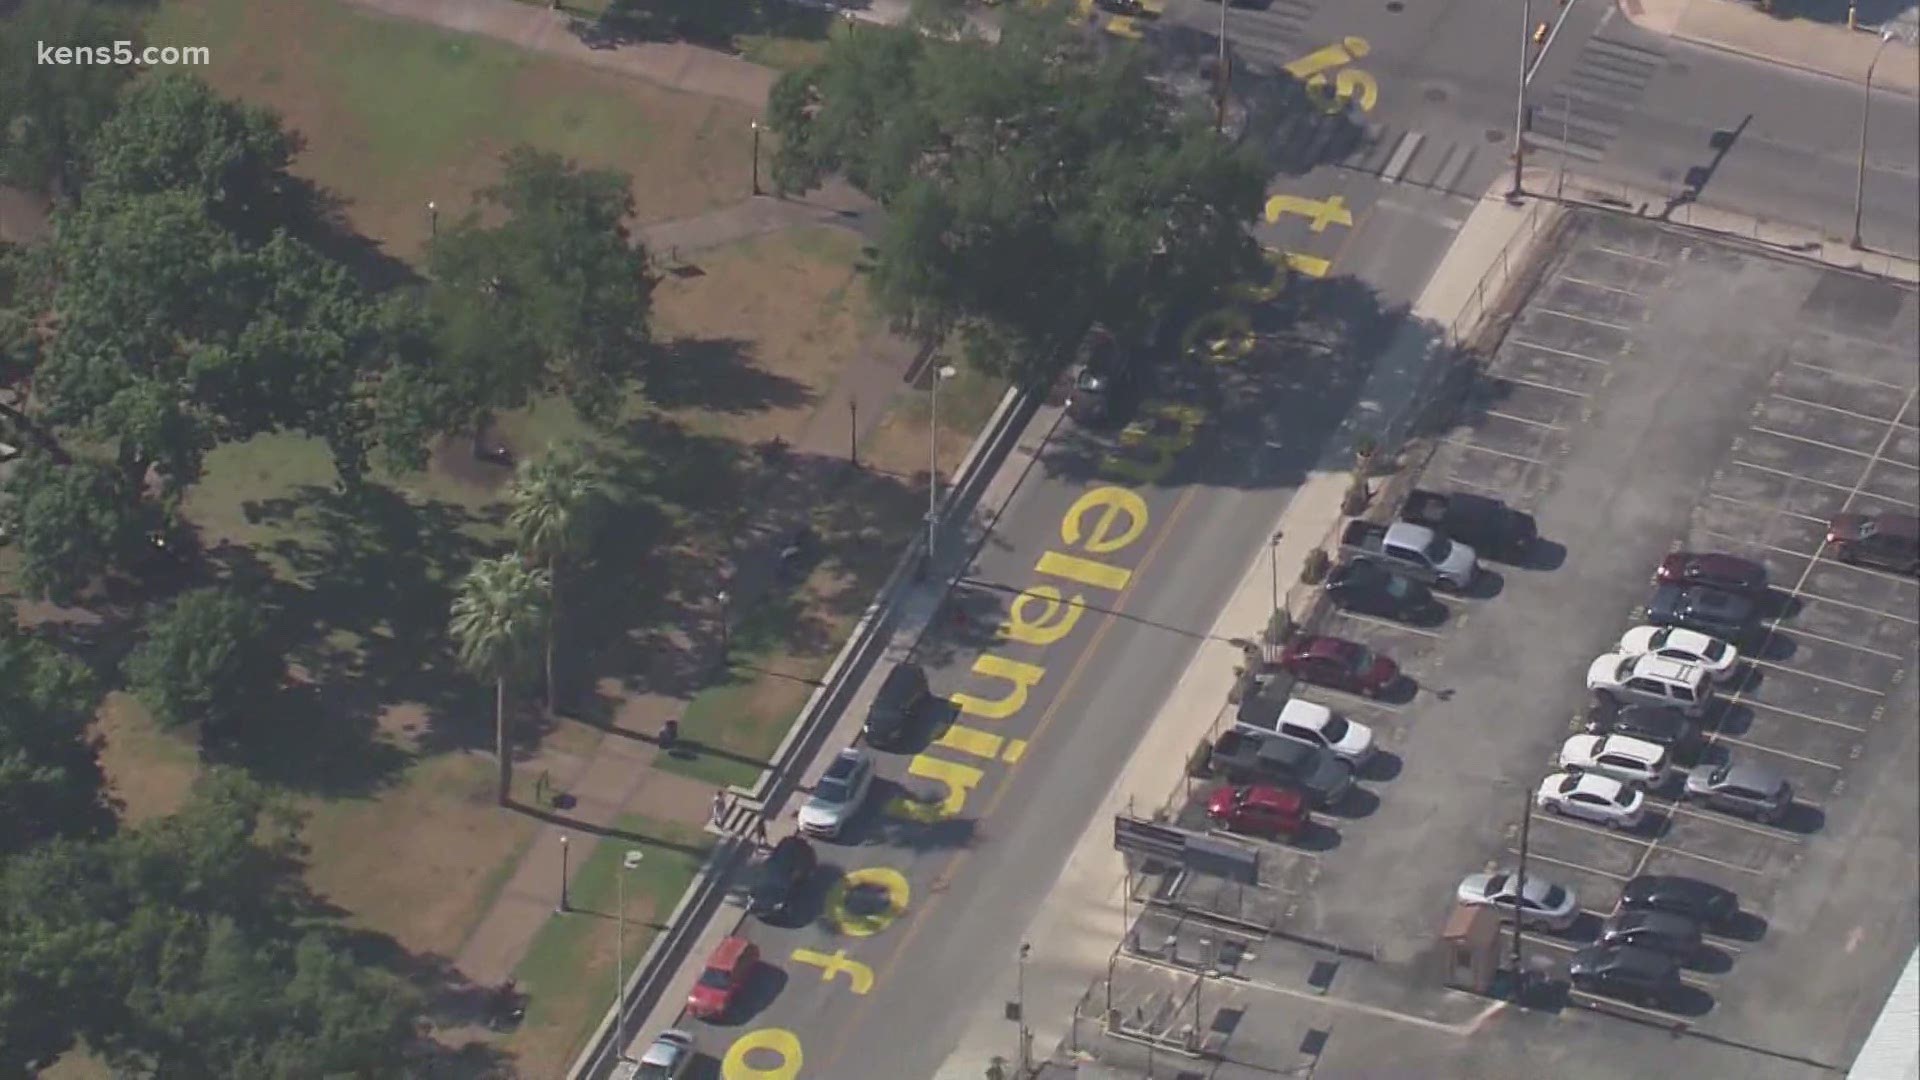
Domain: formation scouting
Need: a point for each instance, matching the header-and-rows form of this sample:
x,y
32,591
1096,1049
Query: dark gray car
x,y
1714,612
1743,787
1661,931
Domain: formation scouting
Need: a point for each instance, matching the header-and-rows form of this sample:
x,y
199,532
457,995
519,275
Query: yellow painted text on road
x,y
747,1058
970,740
1021,676
1054,621
1327,67
1311,265
1112,502
1149,435
859,976
889,884
1325,59
1085,571
960,780
1322,212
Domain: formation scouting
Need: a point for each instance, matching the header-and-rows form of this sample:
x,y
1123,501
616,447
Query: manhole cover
x,y
1435,94
1496,135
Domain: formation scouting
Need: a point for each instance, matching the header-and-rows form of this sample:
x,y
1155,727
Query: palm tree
x,y
551,507
497,613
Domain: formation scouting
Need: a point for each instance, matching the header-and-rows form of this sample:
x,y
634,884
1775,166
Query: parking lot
x,y
1656,393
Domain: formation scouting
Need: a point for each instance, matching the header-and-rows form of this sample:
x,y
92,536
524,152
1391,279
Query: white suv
x,y
1623,757
1651,679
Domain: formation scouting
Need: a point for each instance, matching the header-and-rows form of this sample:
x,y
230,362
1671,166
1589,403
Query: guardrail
x,y
1491,283
818,717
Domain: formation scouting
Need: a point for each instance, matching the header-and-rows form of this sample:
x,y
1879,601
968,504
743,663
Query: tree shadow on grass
x,y
719,375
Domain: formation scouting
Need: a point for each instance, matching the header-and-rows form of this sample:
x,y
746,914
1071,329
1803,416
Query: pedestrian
x,y
719,806
669,734
760,830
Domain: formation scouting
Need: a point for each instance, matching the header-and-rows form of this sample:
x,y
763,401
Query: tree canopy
x,y
206,660
1034,187
50,112
71,523
51,784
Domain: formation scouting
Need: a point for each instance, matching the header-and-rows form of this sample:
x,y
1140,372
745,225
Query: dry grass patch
x,y
149,771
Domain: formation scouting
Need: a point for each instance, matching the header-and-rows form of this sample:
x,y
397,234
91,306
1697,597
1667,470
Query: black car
x,y
1372,589
897,705
1708,905
1490,527
780,877
1104,386
1660,931
1662,725
1255,757
1889,541
1715,612
1625,971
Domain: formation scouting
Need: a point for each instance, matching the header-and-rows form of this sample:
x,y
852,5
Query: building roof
x,y
1892,1050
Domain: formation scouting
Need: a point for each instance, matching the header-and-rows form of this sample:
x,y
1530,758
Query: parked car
x,y
1889,541
1661,724
1102,386
902,697
1711,611
1749,788
1243,756
1718,659
1339,663
1545,905
838,795
728,970
1625,971
1310,723
1489,526
1622,757
1661,931
1650,680
1259,809
1599,799
1372,589
1729,573
1708,905
1413,550
669,1058
779,878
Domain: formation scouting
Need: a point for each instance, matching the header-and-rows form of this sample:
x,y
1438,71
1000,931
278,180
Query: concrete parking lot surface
x,y
1656,392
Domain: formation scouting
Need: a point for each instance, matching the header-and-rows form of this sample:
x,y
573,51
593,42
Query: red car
x,y
1726,572
1341,664
1259,809
728,970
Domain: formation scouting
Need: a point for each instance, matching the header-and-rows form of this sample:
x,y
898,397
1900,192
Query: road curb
x,y
1634,14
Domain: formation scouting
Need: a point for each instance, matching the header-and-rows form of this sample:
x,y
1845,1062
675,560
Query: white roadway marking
x,y
1582,318
1835,408
1332,1001
1525,344
1455,478
1739,697
1648,844
1756,543
1768,664
1521,419
1847,376
1388,623
1533,855
1850,604
1764,507
1718,737
1628,255
1821,483
1683,810
1538,385
1801,631
1601,287
1875,458
1464,445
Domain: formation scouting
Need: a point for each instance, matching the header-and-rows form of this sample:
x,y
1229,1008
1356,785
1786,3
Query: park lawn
x,y
397,113
568,972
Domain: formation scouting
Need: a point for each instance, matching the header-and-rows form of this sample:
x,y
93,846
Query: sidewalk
x,y
1737,26
1079,924
674,65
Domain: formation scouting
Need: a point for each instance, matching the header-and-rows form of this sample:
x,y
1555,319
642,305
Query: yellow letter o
x,y
768,1041
886,879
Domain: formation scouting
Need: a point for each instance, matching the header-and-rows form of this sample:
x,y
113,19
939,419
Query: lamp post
x,y
433,218
726,630
756,156
1520,99
1519,898
1273,569
1020,1005
563,906
630,861
1220,76
1866,106
945,372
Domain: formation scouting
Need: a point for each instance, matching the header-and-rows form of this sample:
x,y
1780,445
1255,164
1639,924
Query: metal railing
x,y
1492,283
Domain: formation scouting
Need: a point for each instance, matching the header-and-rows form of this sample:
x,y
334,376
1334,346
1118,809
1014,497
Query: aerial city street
x,y
940,539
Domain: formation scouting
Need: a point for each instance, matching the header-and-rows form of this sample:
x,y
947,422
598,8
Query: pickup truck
x,y
1243,756
1413,550
1490,526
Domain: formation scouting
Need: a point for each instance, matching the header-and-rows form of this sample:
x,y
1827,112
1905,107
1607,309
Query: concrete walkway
x,y
1738,26
671,64
835,205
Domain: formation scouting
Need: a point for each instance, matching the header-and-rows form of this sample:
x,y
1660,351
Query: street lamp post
x,y
1221,77
433,218
756,156
1519,912
1520,99
631,861
1866,106
1020,1003
1273,569
726,631
945,372
563,907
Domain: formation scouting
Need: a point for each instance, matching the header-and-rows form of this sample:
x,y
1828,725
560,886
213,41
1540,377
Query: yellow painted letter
x,y
1112,502
778,1042
960,779
890,882
1056,622
836,963
1084,571
1022,676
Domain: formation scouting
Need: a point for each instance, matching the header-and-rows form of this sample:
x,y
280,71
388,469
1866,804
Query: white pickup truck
x,y
1413,550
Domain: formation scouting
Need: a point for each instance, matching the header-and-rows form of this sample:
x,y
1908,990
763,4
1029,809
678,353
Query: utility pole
x,y
1519,901
1220,77
1520,99
1866,106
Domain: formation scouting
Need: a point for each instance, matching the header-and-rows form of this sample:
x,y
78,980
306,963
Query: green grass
x,y
568,973
749,713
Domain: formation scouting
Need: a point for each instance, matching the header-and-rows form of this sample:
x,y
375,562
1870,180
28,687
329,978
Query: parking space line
x,y
1388,623
1523,420
1739,697
1582,318
1597,285
1675,850
1717,737
1532,855
1857,607
1629,255
1848,375
1875,457
1374,703
1823,678
1684,810
1811,480
1804,632
1464,482
1591,830
1884,575
1464,445
1838,409
1764,506
1756,543
1525,344
1518,381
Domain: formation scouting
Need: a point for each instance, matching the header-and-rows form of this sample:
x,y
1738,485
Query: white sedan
x,y
1714,656
1597,798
